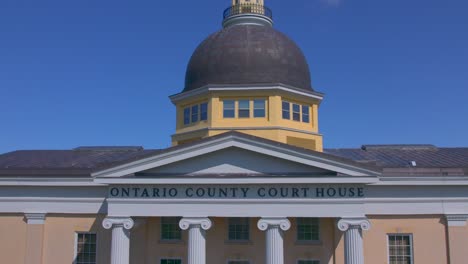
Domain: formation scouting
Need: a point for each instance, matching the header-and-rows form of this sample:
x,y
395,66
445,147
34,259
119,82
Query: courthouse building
x,y
247,180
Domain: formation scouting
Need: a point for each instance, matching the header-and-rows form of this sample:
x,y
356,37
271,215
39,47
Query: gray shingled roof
x,y
401,156
79,161
84,160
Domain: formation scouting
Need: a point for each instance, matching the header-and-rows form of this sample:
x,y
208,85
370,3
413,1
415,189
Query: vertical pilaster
x,y
354,249
197,240
120,249
274,228
457,237
35,237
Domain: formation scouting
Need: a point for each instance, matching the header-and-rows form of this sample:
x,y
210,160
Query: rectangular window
x,y
204,111
286,110
228,108
239,228
171,261
244,109
238,262
305,114
400,249
296,112
194,113
308,262
186,115
170,229
85,248
259,108
308,229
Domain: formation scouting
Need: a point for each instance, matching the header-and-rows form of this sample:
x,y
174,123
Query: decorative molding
x,y
266,223
200,179
35,218
346,223
206,129
188,222
125,222
456,219
246,87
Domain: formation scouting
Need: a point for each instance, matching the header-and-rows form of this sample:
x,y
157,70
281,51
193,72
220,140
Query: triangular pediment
x,y
238,154
234,160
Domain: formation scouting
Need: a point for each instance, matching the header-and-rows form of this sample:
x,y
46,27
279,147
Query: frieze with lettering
x,y
237,192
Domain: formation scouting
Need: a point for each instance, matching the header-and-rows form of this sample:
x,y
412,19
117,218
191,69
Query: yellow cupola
x,y
250,78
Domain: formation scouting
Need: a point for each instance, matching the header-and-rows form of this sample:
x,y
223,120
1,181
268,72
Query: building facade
x,y
247,180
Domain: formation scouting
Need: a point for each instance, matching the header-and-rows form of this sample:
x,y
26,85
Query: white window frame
x,y
171,258
297,261
75,254
400,234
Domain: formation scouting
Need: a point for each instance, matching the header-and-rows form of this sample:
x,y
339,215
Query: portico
x,y
274,228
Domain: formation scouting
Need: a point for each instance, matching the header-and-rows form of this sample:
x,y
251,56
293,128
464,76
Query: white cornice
x,y
422,180
48,181
241,180
203,90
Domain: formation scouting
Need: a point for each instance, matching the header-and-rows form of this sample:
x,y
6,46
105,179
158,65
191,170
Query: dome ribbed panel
x,y
247,54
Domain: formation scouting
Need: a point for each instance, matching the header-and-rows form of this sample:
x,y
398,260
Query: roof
x,y
247,54
84,160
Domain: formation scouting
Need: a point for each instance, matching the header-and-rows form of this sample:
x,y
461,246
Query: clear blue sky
x,y
89,72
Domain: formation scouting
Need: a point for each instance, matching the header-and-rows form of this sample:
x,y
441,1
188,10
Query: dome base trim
x,y
248,19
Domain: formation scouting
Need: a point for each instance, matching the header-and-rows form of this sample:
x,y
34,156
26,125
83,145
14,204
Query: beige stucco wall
x,y
59,238
429,240
13,232
429,232
457,237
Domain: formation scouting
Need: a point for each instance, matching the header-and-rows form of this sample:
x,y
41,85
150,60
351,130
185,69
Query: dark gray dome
x,y
247,54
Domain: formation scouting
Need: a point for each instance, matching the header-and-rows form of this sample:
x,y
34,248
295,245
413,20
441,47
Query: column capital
x,y
35,218
456,219
346,223
267,222
125,222
188,222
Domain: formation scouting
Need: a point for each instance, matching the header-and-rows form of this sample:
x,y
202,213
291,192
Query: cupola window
x,y
186,115
300,113
244,109
259,108
229,108
296,112
195,113
286,112
305,114
203,111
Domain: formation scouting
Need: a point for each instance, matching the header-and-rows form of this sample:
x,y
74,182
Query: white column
x,y
197,240
354,249
274,228
120,250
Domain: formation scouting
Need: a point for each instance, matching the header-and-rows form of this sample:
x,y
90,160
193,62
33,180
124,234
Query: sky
x,y
99,72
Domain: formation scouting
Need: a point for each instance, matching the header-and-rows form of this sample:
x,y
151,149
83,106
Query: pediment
x,y
238,154
234,160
